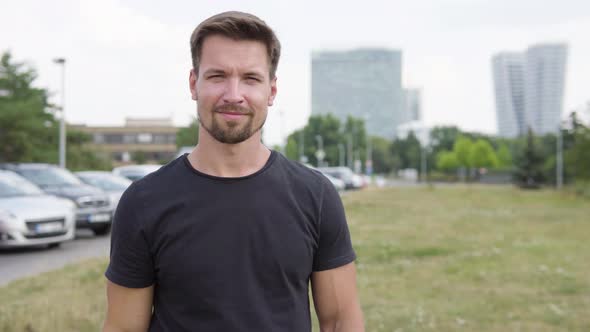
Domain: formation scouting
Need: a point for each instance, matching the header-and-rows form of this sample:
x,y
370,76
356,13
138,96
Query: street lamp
x,y
302,157
62,122
320,154
350,147
341,154
559,166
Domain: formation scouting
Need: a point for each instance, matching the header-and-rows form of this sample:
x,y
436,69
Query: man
x,y
228,237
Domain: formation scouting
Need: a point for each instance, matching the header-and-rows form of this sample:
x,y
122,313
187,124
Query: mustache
x,y
233,108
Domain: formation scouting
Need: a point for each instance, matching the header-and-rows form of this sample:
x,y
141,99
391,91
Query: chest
x,y
236,244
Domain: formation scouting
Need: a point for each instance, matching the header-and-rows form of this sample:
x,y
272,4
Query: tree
x,y
447,161
462,150
291,150
28,128
382,159
482,154
504,157
407,151
529,165
28,131
188,136
444,138
578,156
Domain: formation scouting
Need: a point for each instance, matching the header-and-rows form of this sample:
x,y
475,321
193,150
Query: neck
x,y
228,160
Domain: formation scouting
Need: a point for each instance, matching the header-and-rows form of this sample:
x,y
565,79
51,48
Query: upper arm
x,y
128,309
336,299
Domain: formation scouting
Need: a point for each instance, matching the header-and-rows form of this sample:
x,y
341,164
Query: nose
x,y
232,94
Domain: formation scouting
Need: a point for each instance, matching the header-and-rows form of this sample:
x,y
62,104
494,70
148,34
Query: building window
x,y
144,138
113,138
129,139
98,138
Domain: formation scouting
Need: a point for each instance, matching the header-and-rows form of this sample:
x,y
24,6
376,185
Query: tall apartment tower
x,y
544,86
508,70
364,83
529,89
412,102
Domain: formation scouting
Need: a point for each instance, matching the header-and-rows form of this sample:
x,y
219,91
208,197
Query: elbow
x,y
345,323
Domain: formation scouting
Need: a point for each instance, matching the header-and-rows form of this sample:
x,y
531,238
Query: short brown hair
x,y
237,26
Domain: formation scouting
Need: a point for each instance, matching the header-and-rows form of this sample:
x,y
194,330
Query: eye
x,y
252,79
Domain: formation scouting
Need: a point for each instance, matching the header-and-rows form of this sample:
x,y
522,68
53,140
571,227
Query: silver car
x,y
113,185
29,217
93,211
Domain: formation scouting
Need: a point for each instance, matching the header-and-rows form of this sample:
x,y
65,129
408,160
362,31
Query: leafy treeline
x,y
529,159
29,129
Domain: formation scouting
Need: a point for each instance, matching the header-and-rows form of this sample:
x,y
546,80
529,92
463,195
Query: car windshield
x,y
106,182
14,185
50,176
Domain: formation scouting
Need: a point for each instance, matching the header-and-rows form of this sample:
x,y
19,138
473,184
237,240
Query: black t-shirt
x,y
229,254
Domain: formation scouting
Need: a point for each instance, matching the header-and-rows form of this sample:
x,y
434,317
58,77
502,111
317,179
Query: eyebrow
x,y
213,71
254,73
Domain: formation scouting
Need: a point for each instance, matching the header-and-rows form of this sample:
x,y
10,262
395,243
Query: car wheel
x,y
102,230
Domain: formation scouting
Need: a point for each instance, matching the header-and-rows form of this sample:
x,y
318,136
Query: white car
x,y
30,217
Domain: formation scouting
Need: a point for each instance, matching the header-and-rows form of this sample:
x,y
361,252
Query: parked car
x,y
93,206
113,185
29,217
337,183
135,172
351,180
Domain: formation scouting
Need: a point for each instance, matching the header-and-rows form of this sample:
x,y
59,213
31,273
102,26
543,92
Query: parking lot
x,y
19,263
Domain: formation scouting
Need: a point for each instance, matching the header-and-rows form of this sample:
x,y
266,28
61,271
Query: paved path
x,y
15,264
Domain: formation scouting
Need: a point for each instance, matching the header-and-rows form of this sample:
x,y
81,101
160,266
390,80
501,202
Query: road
x,y
19,263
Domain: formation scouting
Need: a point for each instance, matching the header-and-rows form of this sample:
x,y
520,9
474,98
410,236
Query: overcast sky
x,y
132,58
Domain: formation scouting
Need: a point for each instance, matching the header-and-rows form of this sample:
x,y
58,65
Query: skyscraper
x,y
412,102
364,83
508,70
544,76
529,89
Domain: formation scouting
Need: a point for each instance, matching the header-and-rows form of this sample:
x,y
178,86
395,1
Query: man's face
x,y
232,88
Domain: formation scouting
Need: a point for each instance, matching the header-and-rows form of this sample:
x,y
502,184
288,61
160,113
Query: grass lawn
x,y
449,258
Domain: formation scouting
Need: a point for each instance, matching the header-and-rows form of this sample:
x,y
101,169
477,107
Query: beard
x,y
235,132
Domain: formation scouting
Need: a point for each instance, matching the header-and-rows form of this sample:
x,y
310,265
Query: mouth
x,y
232,115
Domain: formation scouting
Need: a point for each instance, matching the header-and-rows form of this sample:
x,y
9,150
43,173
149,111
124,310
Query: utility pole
x,y
349,155
320,154
301,147
340,154
62,122
559,166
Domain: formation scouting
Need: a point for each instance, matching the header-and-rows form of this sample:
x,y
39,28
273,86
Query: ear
x,y
273,91
192,82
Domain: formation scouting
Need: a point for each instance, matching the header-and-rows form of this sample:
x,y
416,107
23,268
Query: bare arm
x,y
129,309
336,300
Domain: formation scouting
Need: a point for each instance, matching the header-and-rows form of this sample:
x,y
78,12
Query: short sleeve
x,y
335,247
131,264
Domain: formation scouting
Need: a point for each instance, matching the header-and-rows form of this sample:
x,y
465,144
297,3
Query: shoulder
x,y
157,182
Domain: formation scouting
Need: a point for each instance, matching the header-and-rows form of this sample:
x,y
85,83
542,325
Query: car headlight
x,y
6,216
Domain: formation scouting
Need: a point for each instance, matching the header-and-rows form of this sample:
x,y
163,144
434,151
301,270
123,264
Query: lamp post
x,y
320,154
301,147
340,154
62,122
349,155
559,166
